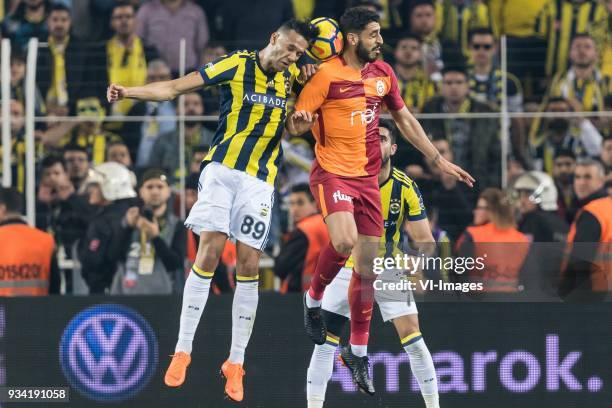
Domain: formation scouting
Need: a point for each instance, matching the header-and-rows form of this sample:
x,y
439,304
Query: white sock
x,y
312,302
195,296
319,372
315,403
359,350
244,309
422,367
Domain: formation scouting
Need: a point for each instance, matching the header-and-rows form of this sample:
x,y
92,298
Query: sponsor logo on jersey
x,y
262,99
364,117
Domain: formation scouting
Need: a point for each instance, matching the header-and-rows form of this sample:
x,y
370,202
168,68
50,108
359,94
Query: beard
x,y
565,179
364,54
559,125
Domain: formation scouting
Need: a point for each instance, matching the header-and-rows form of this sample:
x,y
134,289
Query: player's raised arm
x,y
413,132
156,91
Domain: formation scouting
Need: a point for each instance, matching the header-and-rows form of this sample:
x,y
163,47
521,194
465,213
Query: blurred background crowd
x,y
118,228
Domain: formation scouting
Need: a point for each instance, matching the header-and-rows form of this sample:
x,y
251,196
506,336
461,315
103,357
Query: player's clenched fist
x,y
115,93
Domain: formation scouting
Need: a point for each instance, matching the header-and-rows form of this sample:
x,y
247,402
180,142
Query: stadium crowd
x,y
108,190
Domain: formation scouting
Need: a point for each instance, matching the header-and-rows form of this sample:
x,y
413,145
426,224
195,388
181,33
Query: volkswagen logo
x,y
108,352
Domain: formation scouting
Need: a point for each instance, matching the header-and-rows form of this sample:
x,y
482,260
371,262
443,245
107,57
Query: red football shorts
x,y
358,195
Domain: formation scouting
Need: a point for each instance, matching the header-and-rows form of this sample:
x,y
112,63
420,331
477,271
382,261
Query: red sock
x,y
361,302
329,264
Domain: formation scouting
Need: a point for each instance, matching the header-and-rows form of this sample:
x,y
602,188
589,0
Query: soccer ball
x,y
329,41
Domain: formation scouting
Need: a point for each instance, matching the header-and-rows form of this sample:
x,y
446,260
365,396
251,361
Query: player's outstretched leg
x,y
244,308
195,295
421,363
361,303
343,235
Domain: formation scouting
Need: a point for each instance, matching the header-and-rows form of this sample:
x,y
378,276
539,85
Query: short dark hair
x,y
390,126
408,36
455,68
303,28
151,174
582,35
417,3
51,160
302,188
565,153
122,3
12,199
74,147
355,19
480,31
59,7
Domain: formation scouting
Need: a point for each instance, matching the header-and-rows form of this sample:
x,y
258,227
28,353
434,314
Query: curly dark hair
x,y
355,19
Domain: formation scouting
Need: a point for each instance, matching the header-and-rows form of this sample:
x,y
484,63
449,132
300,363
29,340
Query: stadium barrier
x,y
115,349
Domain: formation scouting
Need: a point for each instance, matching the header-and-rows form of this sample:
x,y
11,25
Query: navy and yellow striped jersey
x,y
401,201
559,21
251,115
455,21
416,91
489,89
18,160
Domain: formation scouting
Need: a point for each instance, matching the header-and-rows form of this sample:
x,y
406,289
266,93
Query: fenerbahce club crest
x,y
395,206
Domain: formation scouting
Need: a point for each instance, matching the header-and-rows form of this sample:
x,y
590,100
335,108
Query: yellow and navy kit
x,y
416,91
18,160
251,115
401,200
559,21
589,92
489,90
454,22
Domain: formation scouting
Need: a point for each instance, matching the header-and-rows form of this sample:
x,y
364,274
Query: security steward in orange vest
x,y
495,239
588,267
298,257
27,263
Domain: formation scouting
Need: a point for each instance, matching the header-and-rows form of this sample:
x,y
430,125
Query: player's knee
x,y
344,244
208,257
208,260
247,267
406,325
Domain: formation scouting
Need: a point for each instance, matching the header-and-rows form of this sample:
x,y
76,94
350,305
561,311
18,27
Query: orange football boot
x,y
175,376
233,374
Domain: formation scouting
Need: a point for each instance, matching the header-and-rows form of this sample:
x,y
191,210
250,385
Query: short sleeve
x,y
414,202
393,99
220,70
314,92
